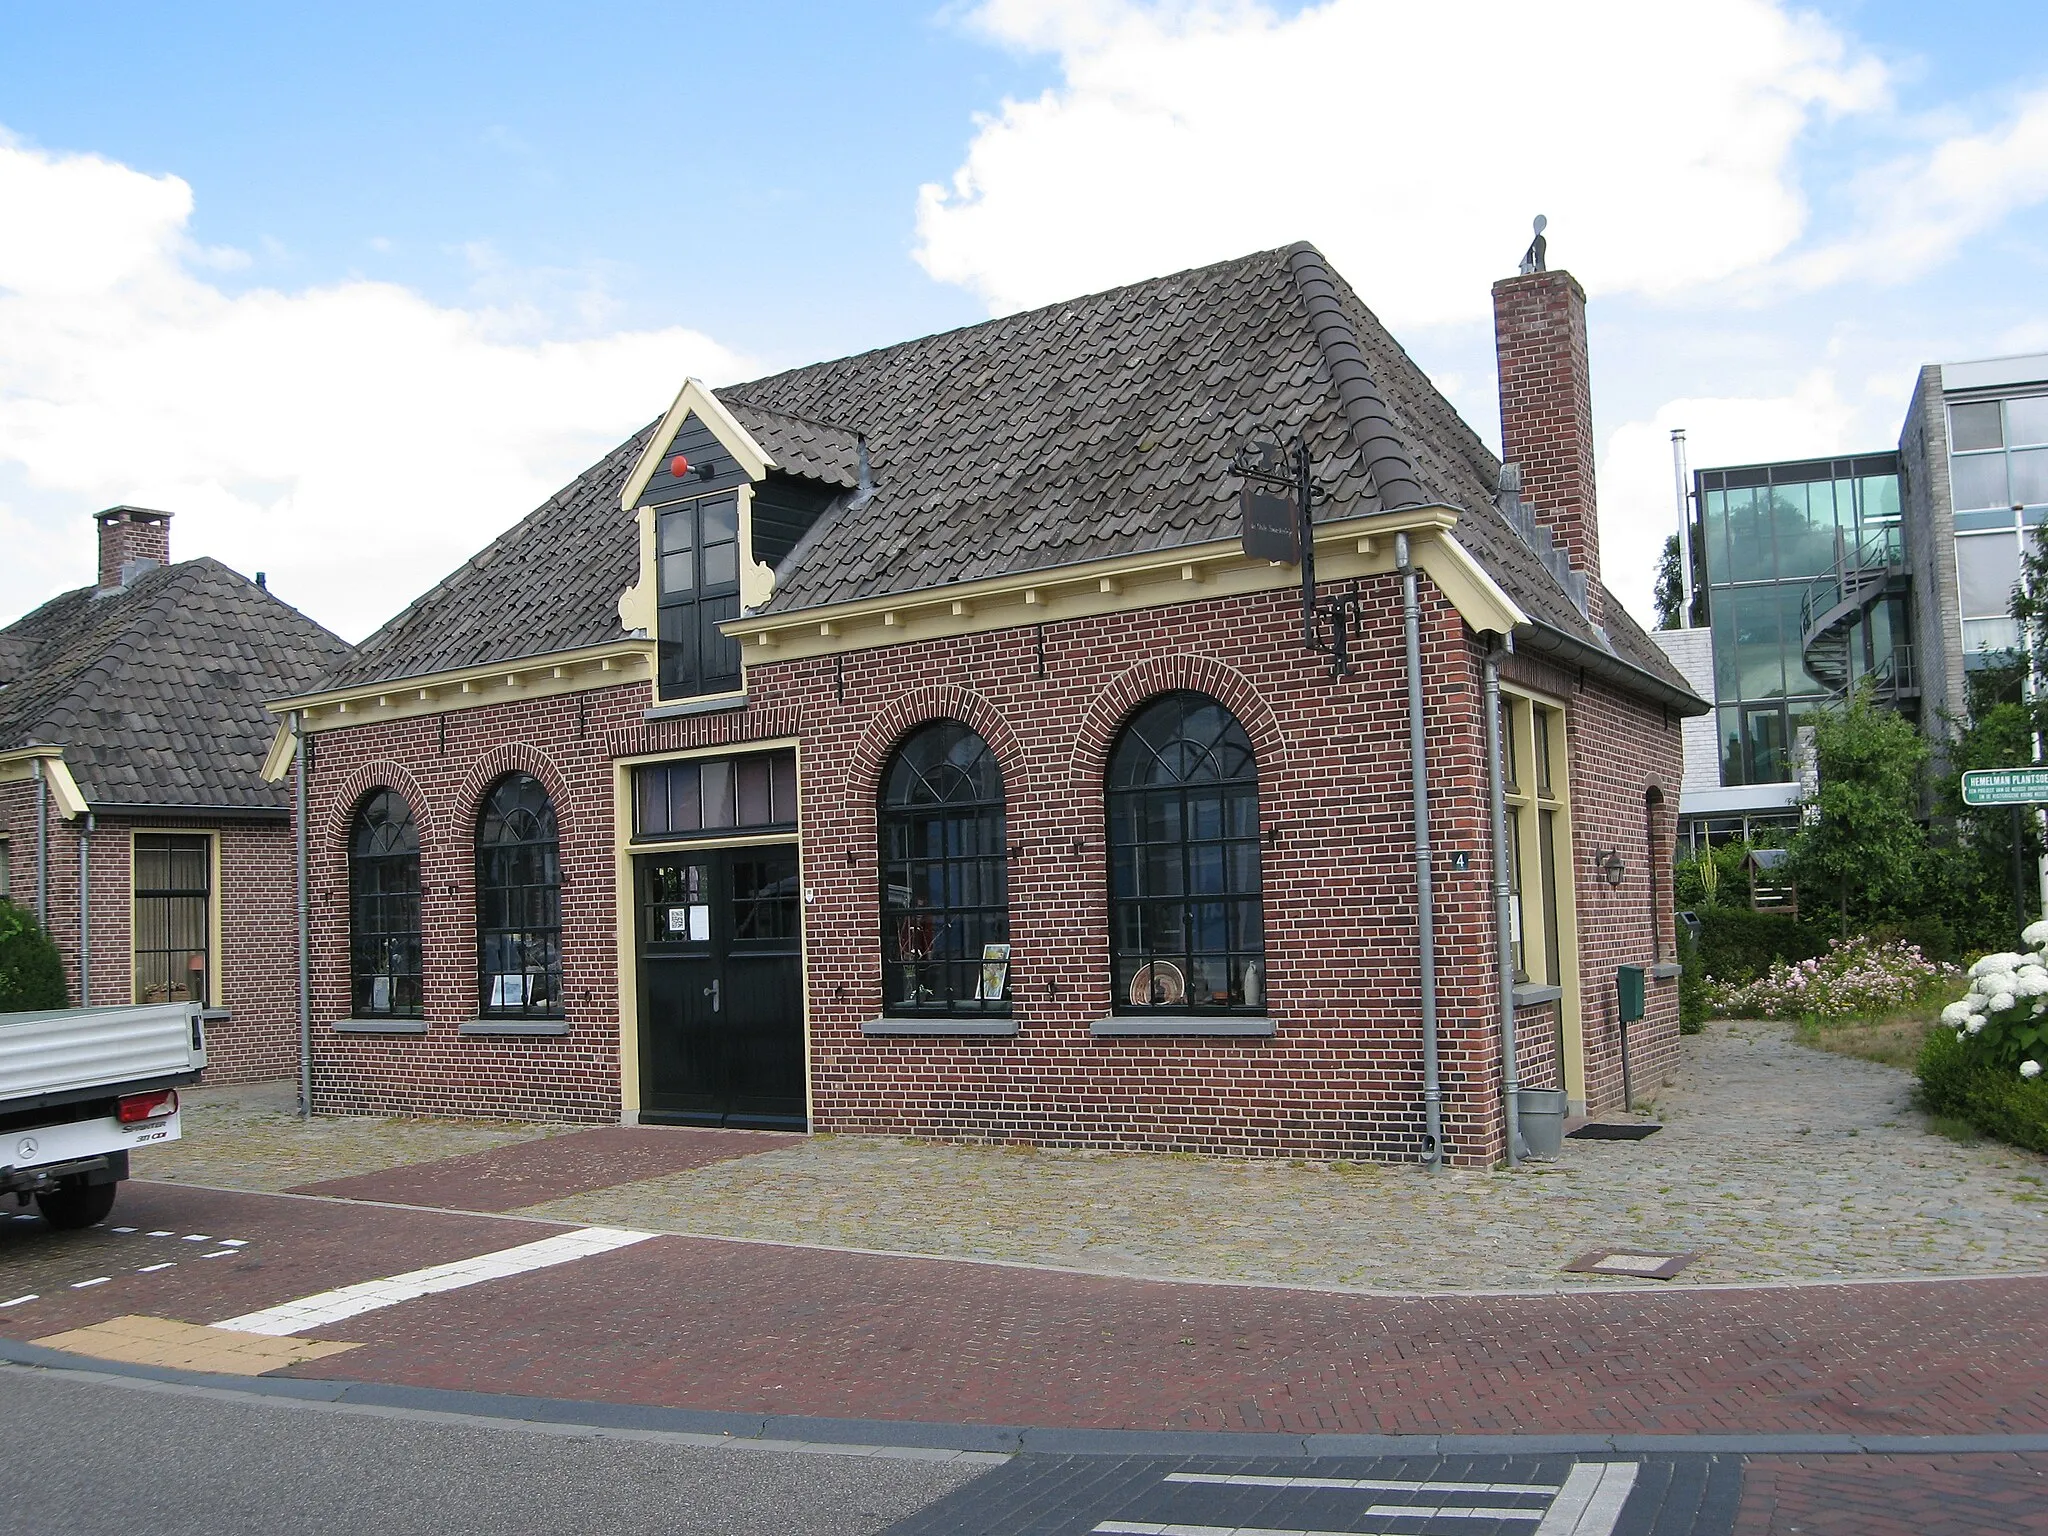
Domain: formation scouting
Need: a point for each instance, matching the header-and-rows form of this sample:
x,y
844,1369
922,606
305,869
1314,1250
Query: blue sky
x,y
349,289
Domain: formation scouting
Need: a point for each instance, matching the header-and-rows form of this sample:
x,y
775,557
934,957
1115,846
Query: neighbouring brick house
x,y
905,744
133,731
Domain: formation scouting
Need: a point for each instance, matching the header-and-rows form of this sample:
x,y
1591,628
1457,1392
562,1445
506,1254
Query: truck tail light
x,y
138,1107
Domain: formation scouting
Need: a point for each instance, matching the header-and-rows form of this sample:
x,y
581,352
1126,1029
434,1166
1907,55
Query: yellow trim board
x,y
19,765
694,398
284,748
162,1341
1353,547
433,693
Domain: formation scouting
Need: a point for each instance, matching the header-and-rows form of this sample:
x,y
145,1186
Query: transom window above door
x,y
714,795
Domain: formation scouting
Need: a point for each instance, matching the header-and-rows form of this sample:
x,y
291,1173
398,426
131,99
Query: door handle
x,y
712,993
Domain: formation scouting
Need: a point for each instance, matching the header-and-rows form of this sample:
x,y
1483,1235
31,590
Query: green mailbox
x,y
1628,987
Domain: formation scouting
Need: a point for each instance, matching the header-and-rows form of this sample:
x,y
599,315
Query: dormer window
x,y
697,544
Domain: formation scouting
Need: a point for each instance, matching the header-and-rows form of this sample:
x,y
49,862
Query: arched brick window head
x,y
1187,922
518,902
945,876
384,908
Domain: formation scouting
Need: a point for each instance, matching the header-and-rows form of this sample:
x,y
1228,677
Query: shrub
x,y
1693,1005
31,970
1857,978
1958,1082
2003,1018
1738,945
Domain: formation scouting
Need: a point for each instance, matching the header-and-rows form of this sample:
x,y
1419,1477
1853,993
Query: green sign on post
x,y
2005,786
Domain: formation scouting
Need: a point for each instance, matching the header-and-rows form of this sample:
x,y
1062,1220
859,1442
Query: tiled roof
x,y
1101,426
156,692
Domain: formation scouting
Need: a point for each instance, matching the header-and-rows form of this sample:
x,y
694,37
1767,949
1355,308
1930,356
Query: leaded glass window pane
x,y
944,863
384,909
1187,927
519,901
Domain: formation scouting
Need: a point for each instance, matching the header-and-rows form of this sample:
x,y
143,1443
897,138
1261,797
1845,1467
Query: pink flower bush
x,y
1854,979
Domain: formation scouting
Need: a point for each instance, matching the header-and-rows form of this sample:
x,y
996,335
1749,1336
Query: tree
x,y
1861,846
1986,857
1670,591
31,970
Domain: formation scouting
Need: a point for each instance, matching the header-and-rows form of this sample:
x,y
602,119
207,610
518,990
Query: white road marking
x,y
163,1234
219,1253
150,1269
1591,1502
197,1237
1365,1484
318,1311
124,1229
32,1296
26,1216
1154,1528
79,1285
234,1242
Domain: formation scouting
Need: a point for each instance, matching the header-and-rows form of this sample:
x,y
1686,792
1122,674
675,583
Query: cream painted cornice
x,y
435,693
20,764
734,438
1353,547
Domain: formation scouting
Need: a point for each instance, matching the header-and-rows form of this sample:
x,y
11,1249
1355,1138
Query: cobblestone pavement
x,y
250,1136
1776,1162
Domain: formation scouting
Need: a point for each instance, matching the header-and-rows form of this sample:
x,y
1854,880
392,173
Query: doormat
x,y
1615,1130
1630,1263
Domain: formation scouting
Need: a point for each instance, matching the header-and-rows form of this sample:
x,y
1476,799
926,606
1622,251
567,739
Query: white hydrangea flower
x,y
2000,1003
1955,1013
2030,1069
2035,934
1999,962
1976,1023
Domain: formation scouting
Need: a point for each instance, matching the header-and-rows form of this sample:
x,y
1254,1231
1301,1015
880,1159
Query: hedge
x,y
1957,1081
1693,1006
1739,945
31,970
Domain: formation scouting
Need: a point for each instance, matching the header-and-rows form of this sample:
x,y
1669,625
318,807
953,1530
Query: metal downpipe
x,y
299,767
1425,885
85,912
42,846
1503,900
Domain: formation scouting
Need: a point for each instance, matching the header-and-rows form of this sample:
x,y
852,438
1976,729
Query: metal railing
x,y
1875,558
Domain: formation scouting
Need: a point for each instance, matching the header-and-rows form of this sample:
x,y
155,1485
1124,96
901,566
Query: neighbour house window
x,y
698,554
173,918
518,901
6,873
1532,733
714,796
945,876
384,908
1187,929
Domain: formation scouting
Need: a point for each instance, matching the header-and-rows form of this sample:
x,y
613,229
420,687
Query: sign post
x,y
1278,524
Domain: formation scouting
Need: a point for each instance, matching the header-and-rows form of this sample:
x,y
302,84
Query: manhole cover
x,y
1630,1263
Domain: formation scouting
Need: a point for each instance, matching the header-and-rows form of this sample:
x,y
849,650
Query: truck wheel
x,y
76,1204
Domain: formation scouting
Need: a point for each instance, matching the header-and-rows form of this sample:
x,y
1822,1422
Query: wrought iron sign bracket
x,y
1277,503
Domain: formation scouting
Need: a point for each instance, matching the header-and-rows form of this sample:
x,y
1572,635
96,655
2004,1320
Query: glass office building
x,y
1998,485
1802,572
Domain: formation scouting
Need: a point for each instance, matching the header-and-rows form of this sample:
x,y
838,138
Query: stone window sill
x,y
1125,1025
1666,970
379,1026
513,1027
717,704
1530,995
992,1025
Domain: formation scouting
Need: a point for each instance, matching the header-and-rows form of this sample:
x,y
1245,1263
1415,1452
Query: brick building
x,y
132,738
906,744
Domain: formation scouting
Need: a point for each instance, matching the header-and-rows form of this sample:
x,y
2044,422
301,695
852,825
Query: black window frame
x,y
1157,730
942,831
518,899
658,781
153,925
391,852
693,658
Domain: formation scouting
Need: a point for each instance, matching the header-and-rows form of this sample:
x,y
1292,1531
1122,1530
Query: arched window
x,y
1187,931
518,901
945,876
384,908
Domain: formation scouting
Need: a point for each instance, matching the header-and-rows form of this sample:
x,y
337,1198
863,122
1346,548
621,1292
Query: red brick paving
x,y
528,1173
1975,1495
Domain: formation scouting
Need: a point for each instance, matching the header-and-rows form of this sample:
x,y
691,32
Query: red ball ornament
x,y
678,466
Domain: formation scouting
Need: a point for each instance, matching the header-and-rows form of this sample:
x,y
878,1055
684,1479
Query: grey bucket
x,y
1542,1113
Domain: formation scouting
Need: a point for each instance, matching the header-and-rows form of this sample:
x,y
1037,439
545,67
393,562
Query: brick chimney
x,y
132,539
1546,410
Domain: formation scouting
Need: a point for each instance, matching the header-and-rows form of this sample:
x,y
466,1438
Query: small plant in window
x,y
915,937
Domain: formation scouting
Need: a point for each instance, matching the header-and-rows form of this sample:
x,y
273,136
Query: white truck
x,y
80,1088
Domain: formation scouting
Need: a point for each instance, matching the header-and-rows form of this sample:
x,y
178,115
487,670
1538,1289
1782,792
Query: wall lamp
x,y
1610,866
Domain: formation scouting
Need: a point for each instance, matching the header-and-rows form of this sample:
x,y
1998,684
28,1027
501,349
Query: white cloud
x,y
355,441
1412,142
1638,490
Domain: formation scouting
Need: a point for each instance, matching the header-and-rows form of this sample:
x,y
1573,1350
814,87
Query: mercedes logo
x,y
27,1148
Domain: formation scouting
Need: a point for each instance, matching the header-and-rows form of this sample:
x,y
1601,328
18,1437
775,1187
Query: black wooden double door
x,y
721,987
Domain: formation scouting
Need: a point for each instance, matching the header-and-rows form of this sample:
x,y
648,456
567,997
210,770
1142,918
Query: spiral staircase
x,y
1835,601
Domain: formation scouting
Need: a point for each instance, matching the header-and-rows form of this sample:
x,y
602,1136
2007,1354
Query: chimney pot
x,y
133,541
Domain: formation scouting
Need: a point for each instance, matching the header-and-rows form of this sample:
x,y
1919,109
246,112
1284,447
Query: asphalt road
x,y
86,1455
